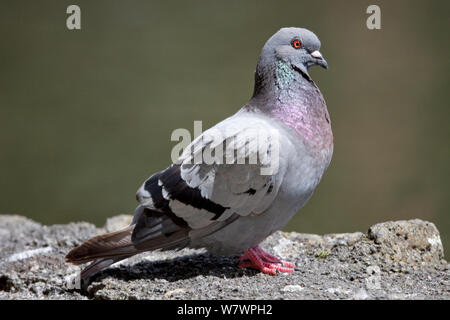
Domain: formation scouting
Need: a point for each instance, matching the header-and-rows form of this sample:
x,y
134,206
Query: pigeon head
x,y
292,50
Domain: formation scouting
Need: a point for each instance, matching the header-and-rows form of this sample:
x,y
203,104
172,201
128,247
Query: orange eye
x,y
296,44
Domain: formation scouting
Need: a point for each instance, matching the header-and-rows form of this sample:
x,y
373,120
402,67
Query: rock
x,y
292,288
412,241
361,294
394,260
118,222
178,291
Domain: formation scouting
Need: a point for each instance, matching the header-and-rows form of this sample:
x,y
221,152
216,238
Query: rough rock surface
x,y
394,260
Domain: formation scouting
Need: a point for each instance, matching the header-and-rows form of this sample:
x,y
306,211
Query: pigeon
x,y
241,180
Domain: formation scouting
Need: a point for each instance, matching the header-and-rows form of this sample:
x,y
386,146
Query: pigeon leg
x,y
274,259
257,258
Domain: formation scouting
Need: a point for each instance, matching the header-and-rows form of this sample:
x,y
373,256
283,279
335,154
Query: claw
x,y
258,259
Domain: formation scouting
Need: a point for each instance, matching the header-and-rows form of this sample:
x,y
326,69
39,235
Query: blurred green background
x,y
86,116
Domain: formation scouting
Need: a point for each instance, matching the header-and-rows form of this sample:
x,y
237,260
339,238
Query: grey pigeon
x,y
267,160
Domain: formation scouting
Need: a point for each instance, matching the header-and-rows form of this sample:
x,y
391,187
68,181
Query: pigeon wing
x,y
206,188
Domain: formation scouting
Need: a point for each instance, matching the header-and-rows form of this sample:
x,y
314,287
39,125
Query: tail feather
x,y
110,248
149,231
100,264
104,246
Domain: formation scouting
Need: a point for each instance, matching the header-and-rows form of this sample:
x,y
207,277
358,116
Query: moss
x,y
322,254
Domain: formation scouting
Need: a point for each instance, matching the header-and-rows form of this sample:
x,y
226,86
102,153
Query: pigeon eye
x,y
296,44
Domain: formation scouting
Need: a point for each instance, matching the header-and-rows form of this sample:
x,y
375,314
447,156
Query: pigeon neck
x,y
279,78
292,97
281,83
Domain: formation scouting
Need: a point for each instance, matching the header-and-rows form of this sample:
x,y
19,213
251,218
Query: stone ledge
x,y
394,260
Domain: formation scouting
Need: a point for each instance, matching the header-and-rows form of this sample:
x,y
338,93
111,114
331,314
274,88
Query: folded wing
x,y
233,169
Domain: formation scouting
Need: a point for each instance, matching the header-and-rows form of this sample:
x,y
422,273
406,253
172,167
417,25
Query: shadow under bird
x,y
229,208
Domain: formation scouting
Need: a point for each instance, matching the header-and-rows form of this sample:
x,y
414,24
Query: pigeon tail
x,y
100,264
147,233
111,245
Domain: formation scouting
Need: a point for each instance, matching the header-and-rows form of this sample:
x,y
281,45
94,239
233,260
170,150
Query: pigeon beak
x,y
319,60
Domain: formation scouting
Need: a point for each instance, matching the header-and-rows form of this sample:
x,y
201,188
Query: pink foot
x,y
257,258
